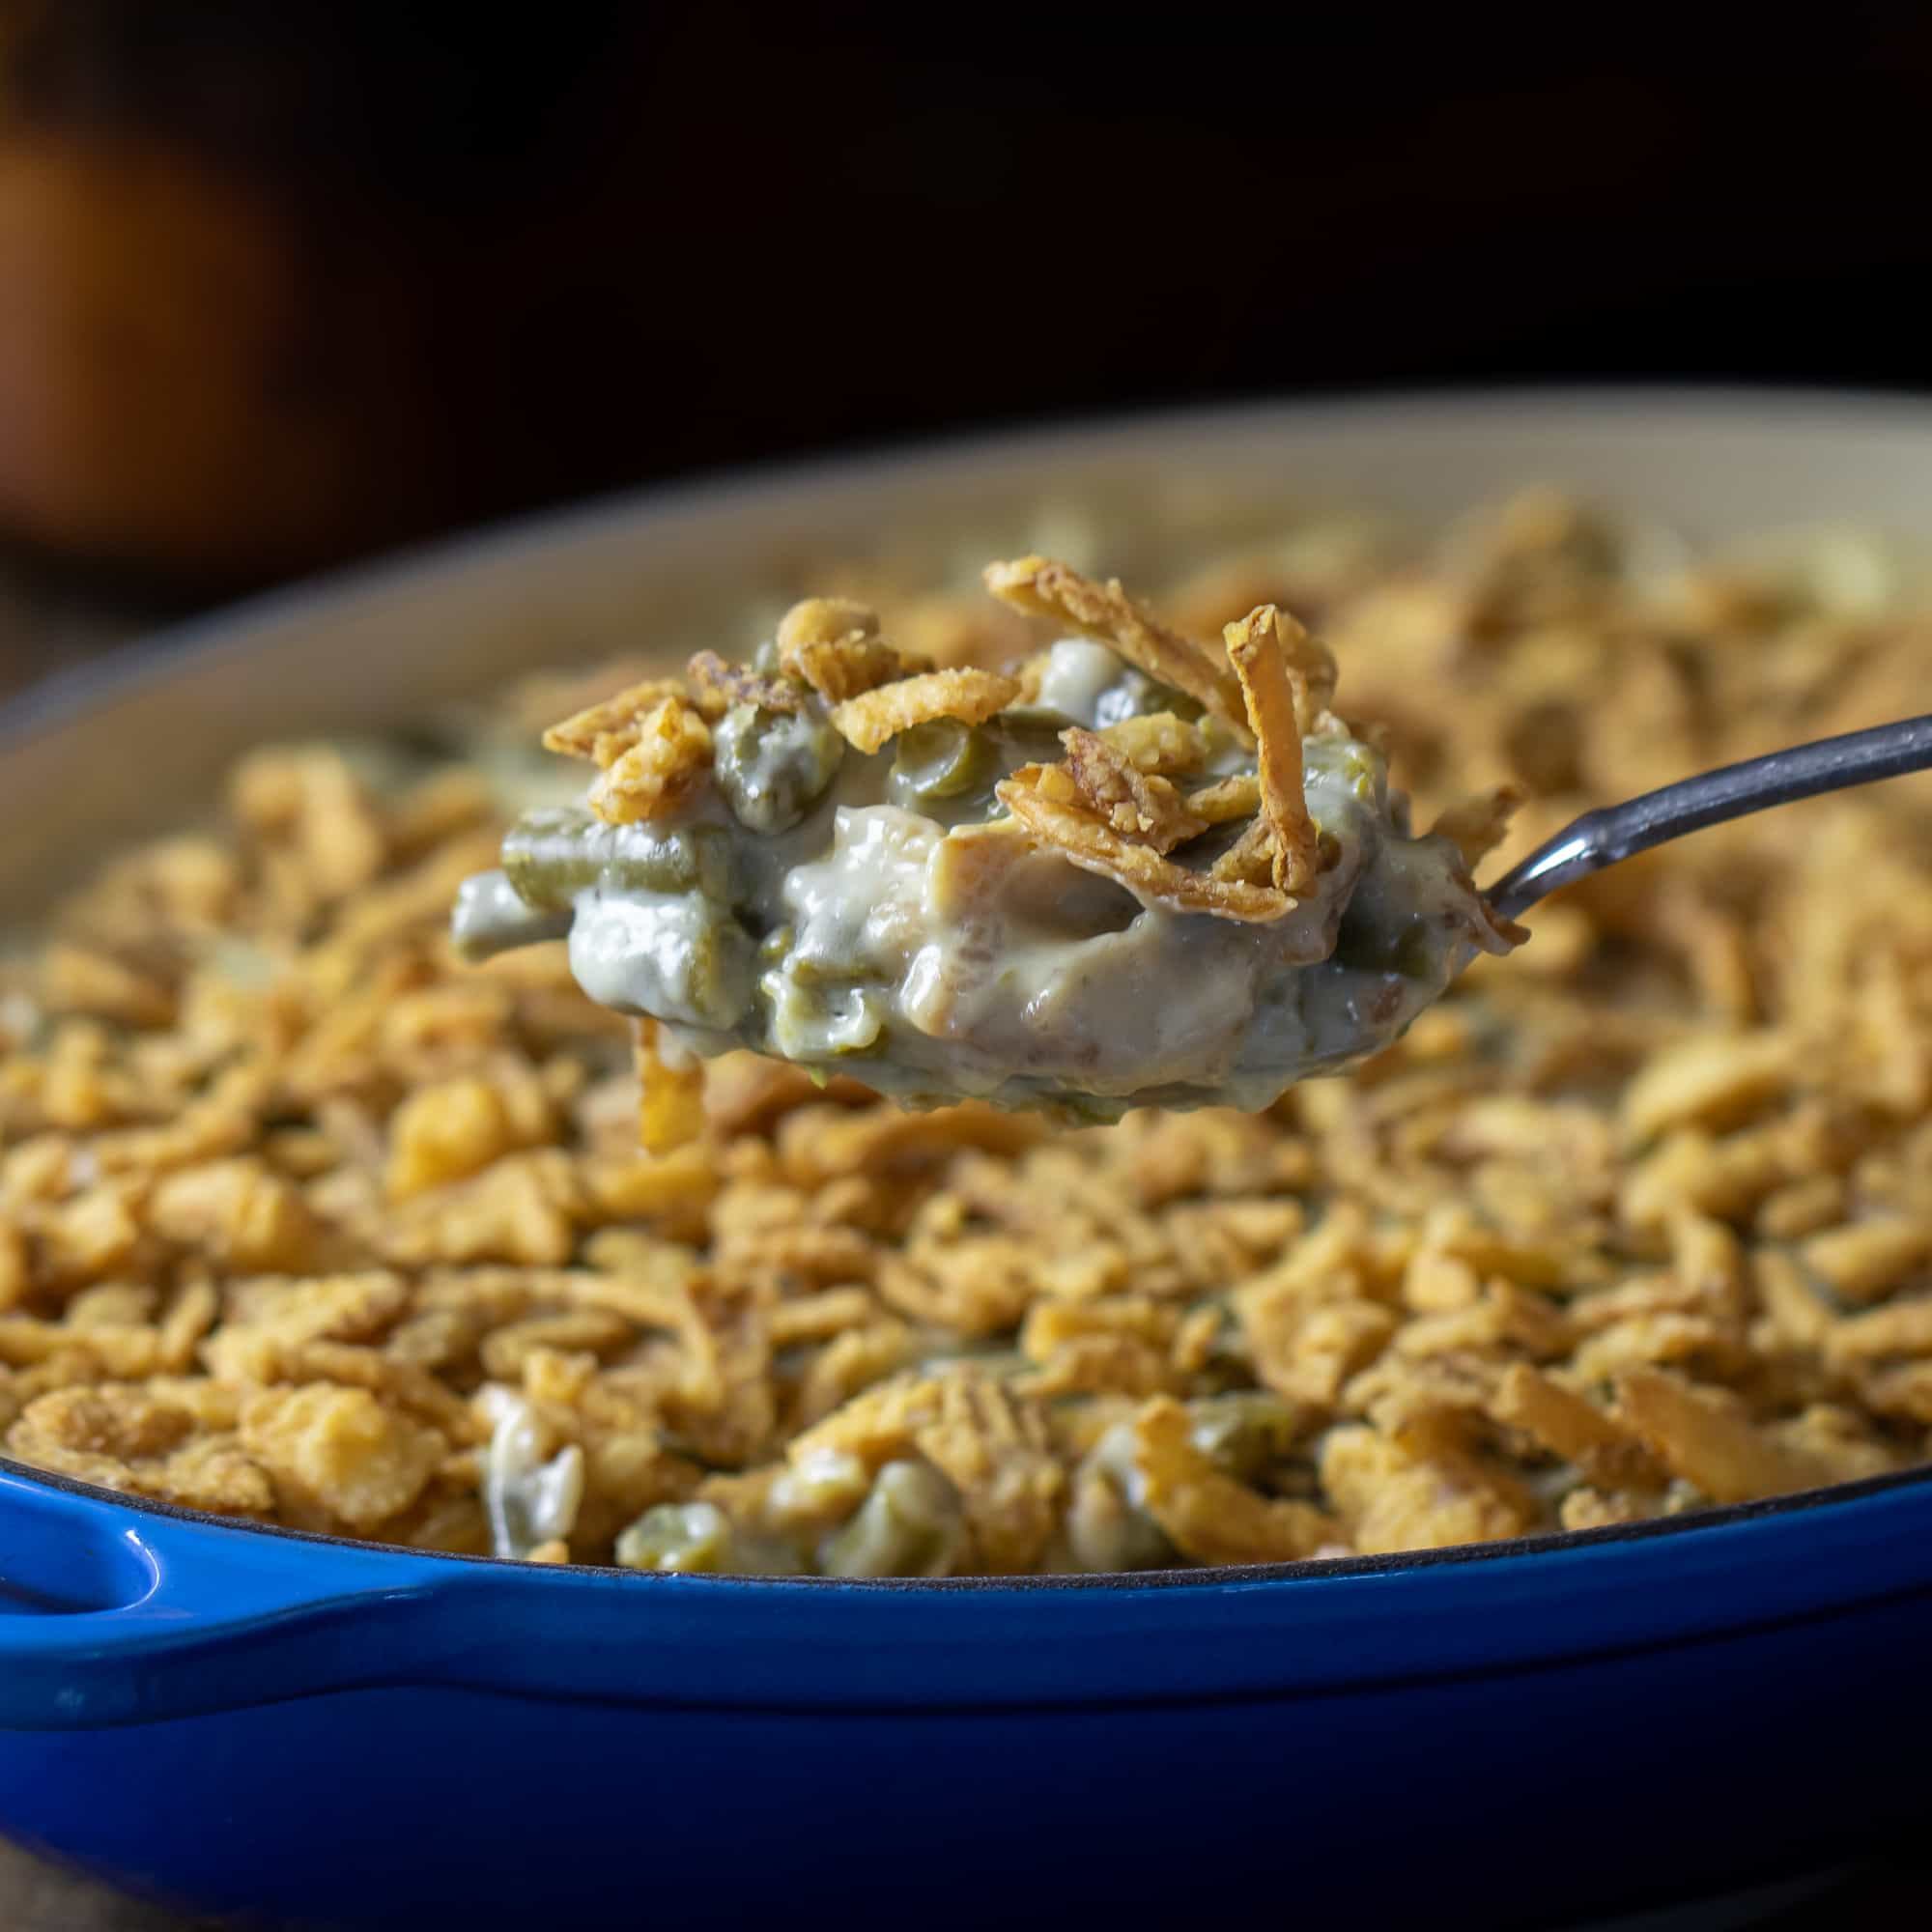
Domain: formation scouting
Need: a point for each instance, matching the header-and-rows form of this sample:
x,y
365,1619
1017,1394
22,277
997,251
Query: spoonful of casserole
x,y
1134,869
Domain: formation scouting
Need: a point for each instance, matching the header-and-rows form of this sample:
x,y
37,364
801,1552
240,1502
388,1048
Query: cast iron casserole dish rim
x,y
126,671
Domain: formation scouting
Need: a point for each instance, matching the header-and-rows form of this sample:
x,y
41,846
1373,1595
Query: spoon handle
x,y
1615,832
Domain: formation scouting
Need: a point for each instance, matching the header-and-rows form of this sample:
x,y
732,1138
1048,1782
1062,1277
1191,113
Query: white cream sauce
x,y
529,1499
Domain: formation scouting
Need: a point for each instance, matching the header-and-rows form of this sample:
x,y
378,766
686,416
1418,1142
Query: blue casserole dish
x,y
292,1729
258,1722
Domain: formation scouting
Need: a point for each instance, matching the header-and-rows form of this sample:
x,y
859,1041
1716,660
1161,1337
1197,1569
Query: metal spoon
x,y
1615,832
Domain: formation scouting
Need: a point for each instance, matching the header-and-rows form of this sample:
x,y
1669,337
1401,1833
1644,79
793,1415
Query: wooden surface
x,y
38,1897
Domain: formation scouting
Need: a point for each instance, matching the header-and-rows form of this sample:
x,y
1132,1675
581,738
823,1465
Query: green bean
x,y
719,973
940,759
491,916
553,855
773,767
947,770
698,1538
1402,947
1356,764
677,1536
1135,694
910,1525
1108,1527
1246,1432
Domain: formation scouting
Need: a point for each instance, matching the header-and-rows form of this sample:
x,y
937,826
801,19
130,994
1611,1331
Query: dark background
x,y
283,284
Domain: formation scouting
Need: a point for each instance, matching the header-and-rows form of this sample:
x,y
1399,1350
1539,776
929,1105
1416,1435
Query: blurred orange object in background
x,y
275,281
183,390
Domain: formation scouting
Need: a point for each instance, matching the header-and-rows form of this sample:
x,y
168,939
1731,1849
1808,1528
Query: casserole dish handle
x,y
112,1615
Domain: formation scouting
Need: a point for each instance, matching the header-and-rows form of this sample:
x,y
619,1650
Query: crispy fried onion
x,y
1135,804
1478,824
1226,800
971,696
1210,1516
1104,611
1160,744
667,760
1314,665
1070,826
730,684
834,645
671,1094
1250,858
1276,692
604,732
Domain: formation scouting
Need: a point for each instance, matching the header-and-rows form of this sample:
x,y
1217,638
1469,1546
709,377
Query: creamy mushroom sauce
x,y
878,934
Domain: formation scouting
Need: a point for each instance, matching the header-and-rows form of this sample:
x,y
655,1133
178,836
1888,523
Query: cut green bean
x,y
553,855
